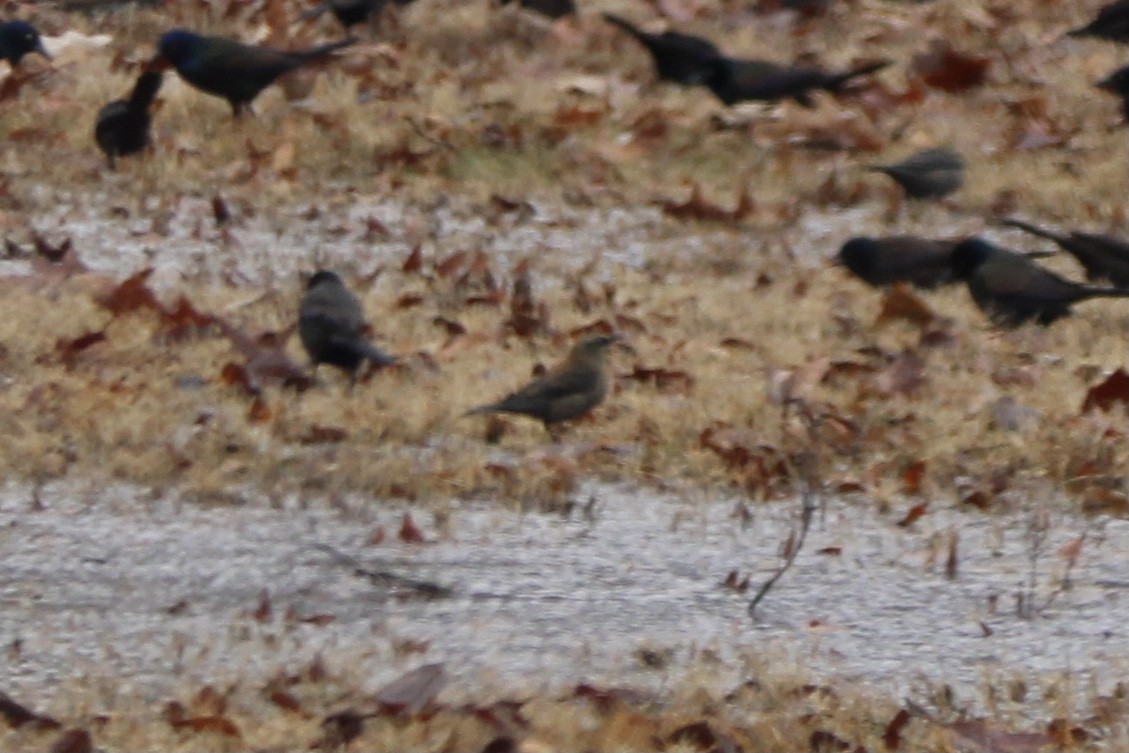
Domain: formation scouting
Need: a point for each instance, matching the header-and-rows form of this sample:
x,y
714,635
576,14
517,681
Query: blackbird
x,y
922,262
572,388
18,38
122,126
1118,83
679,58
930,174
1102,256
733,80
551,8
237,72
351,12
1011,289
1111,23
331,324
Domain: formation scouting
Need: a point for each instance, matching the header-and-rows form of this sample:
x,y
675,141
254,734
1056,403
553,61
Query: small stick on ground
x,y
810,501
383,578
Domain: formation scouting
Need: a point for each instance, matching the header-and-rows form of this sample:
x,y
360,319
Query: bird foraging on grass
x,y
929,174
733,80
679,58
569,390
1011,289
232,70
331,326
122,126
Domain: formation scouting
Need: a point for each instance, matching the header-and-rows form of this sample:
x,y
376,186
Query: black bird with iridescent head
x,y
733,80
331,325
679,58
569,390
1102,256
1111,23
122,126
232,70
1011,289
19,38
929,174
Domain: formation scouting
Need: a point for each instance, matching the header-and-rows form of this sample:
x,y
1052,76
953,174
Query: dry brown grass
x,y
462,104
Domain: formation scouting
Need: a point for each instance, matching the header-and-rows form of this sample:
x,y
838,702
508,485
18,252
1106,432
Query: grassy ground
x,y
747,353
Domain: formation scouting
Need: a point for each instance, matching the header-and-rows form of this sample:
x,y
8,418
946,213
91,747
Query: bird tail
x,y
1033,230
378,357
1105,292
1082,31
837,82
491,408
315,11
323,50
148,83
624,24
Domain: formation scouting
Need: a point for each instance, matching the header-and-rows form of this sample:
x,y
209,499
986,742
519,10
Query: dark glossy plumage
x,y
232,70
1102,256
568,391
122,126
733,80
331,326
549,8
1011,289
922,262
19,38
930,174
351,12
1111,23
679,58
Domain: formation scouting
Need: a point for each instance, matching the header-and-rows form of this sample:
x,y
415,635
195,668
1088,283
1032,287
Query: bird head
x,y
854,253
968,255
323,277
175,47
18,38
592,349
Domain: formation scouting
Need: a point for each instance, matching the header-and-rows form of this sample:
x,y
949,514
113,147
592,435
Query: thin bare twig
x,y
810,501
429,138
383,578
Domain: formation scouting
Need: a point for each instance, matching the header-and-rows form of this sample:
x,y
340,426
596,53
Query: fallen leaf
x,y
414,691
913,515
1107,393
944,68
698,208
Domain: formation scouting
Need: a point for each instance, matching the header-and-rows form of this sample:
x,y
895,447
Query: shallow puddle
x,y
124,591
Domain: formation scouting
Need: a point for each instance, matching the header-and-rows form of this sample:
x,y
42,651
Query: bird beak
x,y
1107,84
42,50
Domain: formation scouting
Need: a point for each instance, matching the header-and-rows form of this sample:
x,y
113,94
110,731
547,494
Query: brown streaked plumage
x,y
571,389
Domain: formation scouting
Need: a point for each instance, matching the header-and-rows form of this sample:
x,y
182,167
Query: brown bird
x,y
568,391
1102,256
